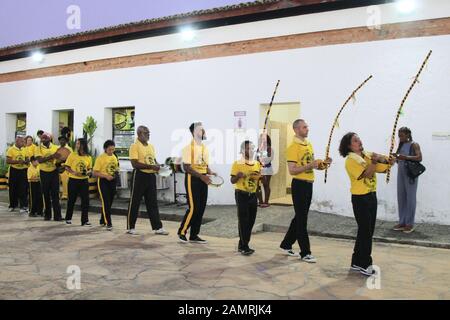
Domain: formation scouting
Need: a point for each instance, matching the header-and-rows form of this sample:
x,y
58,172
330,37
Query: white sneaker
x,y
23,210
309,258
11,209
289,252
162,232
132,232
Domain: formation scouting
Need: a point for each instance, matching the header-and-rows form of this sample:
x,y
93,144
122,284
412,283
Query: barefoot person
x,y
408,150
301,164
106,168
143,160
265,157
361,167
196,166
245,175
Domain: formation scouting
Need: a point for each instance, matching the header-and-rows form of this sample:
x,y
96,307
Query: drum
x,y
62,154
165,171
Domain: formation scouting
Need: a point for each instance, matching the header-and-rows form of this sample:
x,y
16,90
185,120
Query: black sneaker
x,y
197,239
47,218
182,238
246,252
102,224
32,215
58,219
68,221
109,228
86,224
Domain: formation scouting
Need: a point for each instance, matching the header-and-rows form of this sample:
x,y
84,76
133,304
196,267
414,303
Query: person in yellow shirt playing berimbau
x,y
361,167
36,201
301,165
246,175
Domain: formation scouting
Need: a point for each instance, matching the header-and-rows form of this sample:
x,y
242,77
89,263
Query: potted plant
x,y
4,167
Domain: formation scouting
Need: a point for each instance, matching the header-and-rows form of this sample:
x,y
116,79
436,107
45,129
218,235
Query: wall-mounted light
x,y
37,56
187,34
406,6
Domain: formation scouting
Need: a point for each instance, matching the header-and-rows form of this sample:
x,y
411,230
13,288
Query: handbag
x,y
414,168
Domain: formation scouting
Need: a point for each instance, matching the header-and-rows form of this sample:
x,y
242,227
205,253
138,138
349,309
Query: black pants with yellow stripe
x,y
143,185
36,200
247,206
107,190
78,187
18,188
197,196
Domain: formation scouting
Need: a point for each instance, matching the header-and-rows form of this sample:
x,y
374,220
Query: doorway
x,y
62,119
279,127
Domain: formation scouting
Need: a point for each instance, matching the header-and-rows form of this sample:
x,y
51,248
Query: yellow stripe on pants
x,y
191,206
103,202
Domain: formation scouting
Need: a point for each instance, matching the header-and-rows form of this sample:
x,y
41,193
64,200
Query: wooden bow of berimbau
x,y
336,121
400,109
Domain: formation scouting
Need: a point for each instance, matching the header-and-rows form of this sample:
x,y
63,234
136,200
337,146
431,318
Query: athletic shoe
x,y
86,224
197,239
58,219
289,252
246,252
132,232
102,224
161,232
32,215
182,238
68,221
408,229
369,271
309,258
23,210
11,209
47,218
109,228
399,227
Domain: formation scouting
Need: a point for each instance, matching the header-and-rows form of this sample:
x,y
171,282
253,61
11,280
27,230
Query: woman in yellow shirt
x,y
79,165
106,169
361,167
246,175
34,180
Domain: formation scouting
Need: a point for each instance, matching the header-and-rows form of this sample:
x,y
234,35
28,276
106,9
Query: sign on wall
x,y
21,125
123,130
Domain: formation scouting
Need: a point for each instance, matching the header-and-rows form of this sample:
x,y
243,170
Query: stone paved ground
x,y
35,254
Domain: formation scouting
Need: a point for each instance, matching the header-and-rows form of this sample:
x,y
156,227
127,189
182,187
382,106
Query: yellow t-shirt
x,y
106,164
17,154
33,173
143,154
355,166
31,150
79,164
302,154
246,184
197,155
44,152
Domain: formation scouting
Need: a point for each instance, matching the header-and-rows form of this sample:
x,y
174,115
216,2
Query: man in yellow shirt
x,y
16,157
361,167
196,166
36,202
245,175
143,159
301,164
45,153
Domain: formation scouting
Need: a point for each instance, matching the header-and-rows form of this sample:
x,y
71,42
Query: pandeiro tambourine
x,y
216,181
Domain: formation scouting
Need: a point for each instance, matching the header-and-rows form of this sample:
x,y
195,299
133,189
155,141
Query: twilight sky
x,y
27,20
